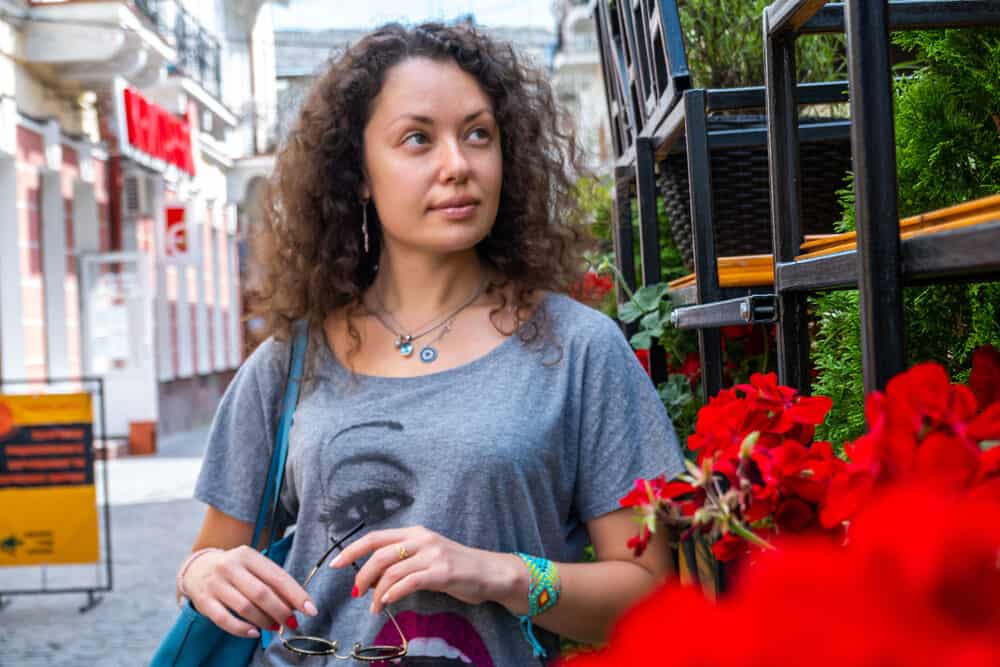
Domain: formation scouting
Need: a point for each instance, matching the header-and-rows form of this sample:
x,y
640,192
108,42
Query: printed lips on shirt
x,y
443,639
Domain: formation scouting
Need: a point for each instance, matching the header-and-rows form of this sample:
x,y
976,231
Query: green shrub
x,y
947,138
725,45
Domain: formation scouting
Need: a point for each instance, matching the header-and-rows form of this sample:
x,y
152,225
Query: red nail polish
x,y
274,628
355,592
292,623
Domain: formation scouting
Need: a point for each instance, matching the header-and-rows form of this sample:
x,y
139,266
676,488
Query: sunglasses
x,y
310,645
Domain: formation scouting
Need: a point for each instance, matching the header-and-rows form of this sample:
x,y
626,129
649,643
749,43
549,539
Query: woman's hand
x,y
407,560
245,582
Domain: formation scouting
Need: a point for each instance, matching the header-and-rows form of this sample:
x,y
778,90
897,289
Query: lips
x,y
437,639
455,203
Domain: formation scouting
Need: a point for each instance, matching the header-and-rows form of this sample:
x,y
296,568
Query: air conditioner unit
x,y
136,199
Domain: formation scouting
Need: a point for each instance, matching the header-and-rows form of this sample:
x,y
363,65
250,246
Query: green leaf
x,y
648,297
628,312
675,393
641,341
652,321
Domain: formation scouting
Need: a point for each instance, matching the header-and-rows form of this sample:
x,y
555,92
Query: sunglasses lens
x,y
379,652
310,645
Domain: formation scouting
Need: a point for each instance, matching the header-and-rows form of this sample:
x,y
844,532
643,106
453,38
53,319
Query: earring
x,y
364,223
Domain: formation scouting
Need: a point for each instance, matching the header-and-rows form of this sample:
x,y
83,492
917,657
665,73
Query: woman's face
x,y
433,159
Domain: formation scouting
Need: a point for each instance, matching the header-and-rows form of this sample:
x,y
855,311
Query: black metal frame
x,y
96,385
881,264
652,106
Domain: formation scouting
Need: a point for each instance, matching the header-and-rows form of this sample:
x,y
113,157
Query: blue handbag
x,y
194,640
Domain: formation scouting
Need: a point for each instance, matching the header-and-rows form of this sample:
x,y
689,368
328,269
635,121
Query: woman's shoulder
x,y
267,363
579,323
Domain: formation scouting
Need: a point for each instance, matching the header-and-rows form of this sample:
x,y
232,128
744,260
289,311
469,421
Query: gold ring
x,y
402,552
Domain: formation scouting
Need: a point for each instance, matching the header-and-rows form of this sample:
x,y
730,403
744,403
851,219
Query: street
x,y
153,523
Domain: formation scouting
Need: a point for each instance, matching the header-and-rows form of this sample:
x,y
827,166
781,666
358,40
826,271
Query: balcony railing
x,y
198,52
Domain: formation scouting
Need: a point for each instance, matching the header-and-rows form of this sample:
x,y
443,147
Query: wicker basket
x,y
740,194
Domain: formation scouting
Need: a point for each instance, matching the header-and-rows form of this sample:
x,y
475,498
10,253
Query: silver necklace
x,y
429,353
404,341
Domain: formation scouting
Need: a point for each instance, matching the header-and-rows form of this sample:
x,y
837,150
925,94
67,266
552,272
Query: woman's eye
x,y
484,134
370,505
416,135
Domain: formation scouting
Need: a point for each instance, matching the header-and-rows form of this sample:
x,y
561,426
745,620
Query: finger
x,y
241,605
262,597
281,583
373,570
394,574
420,580
216,612
369,543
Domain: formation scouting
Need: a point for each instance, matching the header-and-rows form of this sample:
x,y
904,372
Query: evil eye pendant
x,y
428,354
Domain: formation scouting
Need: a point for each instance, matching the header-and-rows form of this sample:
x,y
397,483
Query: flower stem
x,y
742,531
622,282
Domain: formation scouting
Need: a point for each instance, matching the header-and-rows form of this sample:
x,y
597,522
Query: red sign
x,y
158,133
175,241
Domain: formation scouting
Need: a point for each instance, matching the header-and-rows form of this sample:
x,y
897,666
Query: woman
x,y
480,423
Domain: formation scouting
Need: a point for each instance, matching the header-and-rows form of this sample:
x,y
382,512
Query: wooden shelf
x,y
954,243
961,215
742,271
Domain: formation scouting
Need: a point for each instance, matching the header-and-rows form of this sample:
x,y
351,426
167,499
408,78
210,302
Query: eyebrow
x,y
427,120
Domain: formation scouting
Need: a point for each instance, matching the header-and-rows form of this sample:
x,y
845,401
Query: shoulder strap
x,y
276,473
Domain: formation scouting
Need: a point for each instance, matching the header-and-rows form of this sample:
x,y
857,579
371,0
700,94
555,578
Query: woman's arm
x,y
238,578
218,529
593,594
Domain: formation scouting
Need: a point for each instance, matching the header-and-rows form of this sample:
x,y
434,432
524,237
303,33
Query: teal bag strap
x,y
276,473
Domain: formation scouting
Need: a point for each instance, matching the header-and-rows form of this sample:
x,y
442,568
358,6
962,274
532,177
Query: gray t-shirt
x,y
514,451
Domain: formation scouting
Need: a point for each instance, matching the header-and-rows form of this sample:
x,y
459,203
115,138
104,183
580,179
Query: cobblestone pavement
x,y
153,523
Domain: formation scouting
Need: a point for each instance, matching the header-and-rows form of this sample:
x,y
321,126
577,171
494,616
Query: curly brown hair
x,y
309,249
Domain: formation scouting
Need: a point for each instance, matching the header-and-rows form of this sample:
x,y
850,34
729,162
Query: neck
x,y
415,288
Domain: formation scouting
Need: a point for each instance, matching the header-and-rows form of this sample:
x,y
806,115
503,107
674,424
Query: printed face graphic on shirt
x,y
369,486
371,483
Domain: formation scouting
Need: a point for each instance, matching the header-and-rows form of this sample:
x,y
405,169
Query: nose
x,y
454,163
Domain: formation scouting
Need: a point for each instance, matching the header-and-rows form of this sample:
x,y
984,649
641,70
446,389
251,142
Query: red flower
x,y
947,458
940,560
846,495
724,423
642,494
787,408
729,547
643,357
591,288
639,542
794,515
917,585
986,425
984,381
691,368
737,332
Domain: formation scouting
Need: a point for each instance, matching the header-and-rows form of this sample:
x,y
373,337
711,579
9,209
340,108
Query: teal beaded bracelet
x,y
543,593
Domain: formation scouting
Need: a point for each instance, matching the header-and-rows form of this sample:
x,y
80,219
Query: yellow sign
x,y
48,502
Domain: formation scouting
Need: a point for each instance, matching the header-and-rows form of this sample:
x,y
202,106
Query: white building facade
x,y
302,54
130,132
578,81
